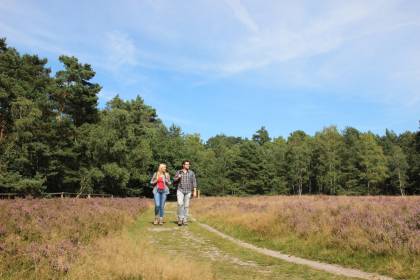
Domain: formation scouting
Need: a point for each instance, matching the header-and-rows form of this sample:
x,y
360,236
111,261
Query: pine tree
x,y
247,169
75,95
24,121
224,153
261,136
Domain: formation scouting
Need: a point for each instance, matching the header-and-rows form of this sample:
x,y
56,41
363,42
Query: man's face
x,y
187,165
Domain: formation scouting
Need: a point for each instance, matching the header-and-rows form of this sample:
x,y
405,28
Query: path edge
x,y
331,268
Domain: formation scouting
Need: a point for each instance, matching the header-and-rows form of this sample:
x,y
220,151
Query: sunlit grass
x,y
41,238
377,234
122,257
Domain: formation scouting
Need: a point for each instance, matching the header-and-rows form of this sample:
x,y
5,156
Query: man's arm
x,y
194,184
177,176
194,181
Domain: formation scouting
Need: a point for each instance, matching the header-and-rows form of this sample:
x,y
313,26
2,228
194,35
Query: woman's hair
x,y
160,171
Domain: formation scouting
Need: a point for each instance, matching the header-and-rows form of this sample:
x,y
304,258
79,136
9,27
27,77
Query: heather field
x,y
376,234
105,238
42,238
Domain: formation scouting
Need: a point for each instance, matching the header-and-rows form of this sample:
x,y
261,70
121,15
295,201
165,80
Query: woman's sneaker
x,y
160,221
155,222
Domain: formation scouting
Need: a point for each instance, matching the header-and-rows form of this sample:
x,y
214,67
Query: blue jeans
x,y
160,199
183,200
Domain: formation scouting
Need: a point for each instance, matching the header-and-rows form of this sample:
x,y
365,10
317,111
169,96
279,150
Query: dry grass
x,y
379,234
122,257
41,238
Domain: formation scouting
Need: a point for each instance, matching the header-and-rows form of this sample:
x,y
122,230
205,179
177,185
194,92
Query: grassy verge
x,y
137,253
221,259
261,266
313,228
124,257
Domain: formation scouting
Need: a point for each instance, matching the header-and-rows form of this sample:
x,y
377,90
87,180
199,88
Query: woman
x,y
160,182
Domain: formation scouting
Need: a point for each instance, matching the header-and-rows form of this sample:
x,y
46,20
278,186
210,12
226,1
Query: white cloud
x,y
301,43
319,34
35,38
120,50
242,14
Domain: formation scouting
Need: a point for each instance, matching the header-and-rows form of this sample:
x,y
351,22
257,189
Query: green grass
x,y
315,248
227,260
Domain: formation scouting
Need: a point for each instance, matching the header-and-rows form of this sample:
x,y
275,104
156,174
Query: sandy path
x,y
335,269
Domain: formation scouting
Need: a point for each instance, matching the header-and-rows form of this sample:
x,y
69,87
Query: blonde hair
x,y
160,171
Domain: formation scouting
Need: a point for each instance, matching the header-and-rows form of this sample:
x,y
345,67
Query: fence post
x,y
88,196
62,194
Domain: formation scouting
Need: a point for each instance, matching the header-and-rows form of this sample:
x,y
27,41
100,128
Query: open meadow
x,y
42,238
114,238
97,238
376,234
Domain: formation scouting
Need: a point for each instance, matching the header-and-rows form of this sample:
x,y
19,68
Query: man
x,y
185,179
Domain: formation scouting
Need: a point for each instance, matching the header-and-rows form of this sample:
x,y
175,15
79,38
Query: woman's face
x,y
163,168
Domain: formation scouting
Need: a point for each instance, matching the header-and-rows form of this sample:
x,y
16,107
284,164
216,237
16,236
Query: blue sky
x,y
232,66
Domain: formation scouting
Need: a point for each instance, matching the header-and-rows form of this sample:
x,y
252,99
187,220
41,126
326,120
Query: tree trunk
x,y
2,129
300,186
400,182
331,179
310,187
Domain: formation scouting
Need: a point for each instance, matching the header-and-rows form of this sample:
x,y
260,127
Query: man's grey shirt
x,y
187,181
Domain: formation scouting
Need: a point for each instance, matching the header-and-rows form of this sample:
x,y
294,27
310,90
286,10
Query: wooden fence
x,y
56,194
64,194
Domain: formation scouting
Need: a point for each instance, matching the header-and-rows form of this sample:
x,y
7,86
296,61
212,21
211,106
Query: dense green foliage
x,y
53,137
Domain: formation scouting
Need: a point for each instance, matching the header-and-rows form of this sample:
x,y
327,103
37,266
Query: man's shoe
x,y
185,222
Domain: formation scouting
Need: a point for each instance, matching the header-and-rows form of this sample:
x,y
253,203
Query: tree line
x,y
53,138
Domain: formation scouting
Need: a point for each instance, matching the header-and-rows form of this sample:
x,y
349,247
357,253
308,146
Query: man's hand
x,y
195,192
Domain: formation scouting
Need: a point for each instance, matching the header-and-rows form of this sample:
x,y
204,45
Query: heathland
x,y
376,234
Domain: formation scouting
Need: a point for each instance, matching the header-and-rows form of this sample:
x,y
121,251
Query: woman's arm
x,y
168,179
154,179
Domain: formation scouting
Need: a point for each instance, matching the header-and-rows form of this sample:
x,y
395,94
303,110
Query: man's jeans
x,y
160,199
183,205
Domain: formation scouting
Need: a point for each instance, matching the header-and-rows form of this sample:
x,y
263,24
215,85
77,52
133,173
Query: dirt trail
x,y
227,260
331,268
